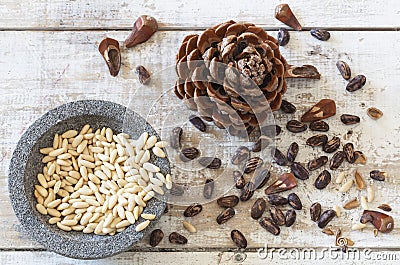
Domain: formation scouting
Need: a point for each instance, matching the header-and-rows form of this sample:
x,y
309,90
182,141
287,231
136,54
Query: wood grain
x,y
46,69
86,14
203,258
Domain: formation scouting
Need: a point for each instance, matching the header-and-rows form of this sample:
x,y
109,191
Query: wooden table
x,y
49,57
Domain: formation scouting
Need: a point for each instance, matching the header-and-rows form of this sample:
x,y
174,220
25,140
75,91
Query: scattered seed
x,y
274,199
261,143
279,157
290,217
337,210
292,152
241,154
315,211
228,201
143,74
323,179
277,215
198,123
210,162
189,227
346,186
295,201
208,188
258,208
175,138
269,225
176,238
336,160
359,158
348,150
374,113
332,145
287,107
319,126
142,226
340,178
378,175
252,164
320,34
247,192
349,119
344,69
351,204
325,218
225,215
317,163
364,203
283,37
359,180
261,178
317,140
238,179
238,238
155,237
358,226
296,126
328,231
385,207
299,171
370,193
193,210
356,83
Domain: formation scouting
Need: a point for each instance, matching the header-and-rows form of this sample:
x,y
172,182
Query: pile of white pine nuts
x,y
99,182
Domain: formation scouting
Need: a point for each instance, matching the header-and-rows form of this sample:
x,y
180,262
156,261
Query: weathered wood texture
x,y
41,70
57,14
203,258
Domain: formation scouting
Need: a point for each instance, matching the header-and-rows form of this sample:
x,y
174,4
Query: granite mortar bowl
x,y
26,164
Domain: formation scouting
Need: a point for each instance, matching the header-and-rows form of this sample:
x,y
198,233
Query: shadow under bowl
x,y
26,164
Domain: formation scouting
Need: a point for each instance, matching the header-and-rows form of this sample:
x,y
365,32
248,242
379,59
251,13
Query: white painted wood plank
x,y
48,69
203,258
174,13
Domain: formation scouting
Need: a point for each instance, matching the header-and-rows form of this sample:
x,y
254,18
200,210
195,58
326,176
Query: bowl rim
x,y
62,243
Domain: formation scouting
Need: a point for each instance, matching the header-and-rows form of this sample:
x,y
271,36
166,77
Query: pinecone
x,y
230,73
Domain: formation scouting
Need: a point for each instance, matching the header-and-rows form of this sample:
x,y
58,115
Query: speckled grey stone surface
x,y
26,164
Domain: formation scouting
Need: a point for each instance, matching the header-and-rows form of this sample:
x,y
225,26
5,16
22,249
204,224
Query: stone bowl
x,y
26,164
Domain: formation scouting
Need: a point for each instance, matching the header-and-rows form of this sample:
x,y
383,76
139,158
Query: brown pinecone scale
x,y
230,73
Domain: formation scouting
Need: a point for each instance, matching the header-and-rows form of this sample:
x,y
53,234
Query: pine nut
x,y
188,226
370,193
53,212
54,220
340,178
148,216
358,226
41,209
346,186
58,152
54,203
364,203
145,158
63,227
69,134
161,144
158,152
103,180
122,224
142,225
